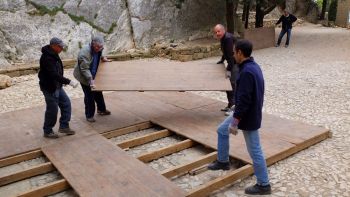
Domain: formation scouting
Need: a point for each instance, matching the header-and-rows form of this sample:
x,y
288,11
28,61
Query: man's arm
x,y
84,66
228,53
244,95
52,71
279,20
293,18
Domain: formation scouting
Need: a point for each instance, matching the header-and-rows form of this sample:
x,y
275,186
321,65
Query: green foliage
x,y
178,3
332,13
319,3
42,10
80,45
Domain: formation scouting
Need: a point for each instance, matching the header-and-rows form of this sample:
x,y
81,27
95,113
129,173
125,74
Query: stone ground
x,y
308,82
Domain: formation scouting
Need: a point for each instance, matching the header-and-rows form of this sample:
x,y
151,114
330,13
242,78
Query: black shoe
x,y
258,190
51,135
217,165
91,119
67,131
277,45
286,45
104,113
226,109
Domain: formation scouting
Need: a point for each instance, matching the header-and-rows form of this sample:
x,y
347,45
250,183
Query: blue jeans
x,y
55,100
252,140
284,31
90,97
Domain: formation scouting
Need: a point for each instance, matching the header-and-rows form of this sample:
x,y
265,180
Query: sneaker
x,y
217,165
104,113
91,119
258,190
67,131
277,45
229,112
286,45
225,109
51,135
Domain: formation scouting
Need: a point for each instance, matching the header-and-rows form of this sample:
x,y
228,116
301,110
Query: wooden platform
x,y
93,166
161,75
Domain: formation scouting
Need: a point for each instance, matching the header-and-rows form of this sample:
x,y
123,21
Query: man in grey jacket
x,y
89,58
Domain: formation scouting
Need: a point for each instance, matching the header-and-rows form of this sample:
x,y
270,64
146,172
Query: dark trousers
x,y
284,31
90,97
55,100
231,95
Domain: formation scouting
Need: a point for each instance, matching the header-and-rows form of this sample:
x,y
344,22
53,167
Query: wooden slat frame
x,y
166,151
48,189
184,168
126,130
33,171
229,178
144,139
20,158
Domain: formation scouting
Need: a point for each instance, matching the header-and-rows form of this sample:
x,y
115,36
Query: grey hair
x,y
220,26
98,40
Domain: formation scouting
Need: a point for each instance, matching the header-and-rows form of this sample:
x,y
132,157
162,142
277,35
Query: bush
x,y
332,13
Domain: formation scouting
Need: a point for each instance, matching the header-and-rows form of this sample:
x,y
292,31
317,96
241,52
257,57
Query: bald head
x,y
219,31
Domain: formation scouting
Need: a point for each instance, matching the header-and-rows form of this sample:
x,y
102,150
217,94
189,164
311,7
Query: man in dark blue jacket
x,y
51,80
246,117
287,20
227,41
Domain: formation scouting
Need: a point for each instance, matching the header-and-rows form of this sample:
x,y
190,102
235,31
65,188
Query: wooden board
x,y
263,37
95,167
161,75
201,125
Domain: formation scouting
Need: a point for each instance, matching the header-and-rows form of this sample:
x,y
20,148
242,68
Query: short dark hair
x,y
245,46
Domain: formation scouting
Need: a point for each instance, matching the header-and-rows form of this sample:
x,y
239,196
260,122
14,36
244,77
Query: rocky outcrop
x,y
27,25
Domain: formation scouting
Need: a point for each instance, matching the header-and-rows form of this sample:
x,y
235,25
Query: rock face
x,y
27,25
5,81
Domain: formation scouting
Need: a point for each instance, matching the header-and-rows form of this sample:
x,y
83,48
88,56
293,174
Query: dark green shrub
x,y
332,12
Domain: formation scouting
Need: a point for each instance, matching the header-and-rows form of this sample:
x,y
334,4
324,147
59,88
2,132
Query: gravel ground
x,y
308,82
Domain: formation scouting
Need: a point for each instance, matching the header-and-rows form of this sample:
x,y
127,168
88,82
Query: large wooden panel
x,y
95,167
278,136
263,37
152,75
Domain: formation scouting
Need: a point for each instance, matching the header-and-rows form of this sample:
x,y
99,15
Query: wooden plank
x,y
19,158
184,168
48,189
33,171
126,130
155,75
93,166
144,139
229,178
166,151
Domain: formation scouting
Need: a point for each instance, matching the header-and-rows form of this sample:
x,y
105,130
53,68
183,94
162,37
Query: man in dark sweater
x,y
51,80
287,20
246,117
227,41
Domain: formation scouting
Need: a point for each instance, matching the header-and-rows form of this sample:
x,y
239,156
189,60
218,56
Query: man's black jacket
x,y
51,71
287,21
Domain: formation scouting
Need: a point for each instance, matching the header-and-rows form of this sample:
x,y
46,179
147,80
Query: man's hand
x,y
92,84
73,83
105,59
233,127
220,62
228,74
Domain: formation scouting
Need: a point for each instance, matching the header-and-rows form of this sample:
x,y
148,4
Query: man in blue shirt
x,y
85,71
246,117
287,20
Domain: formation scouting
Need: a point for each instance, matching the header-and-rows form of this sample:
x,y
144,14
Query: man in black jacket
x,y
51,80
287,20
227,41
246,117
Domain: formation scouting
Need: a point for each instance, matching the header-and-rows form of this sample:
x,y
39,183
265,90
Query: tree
x,y
231,10
262,8
324,8
245,15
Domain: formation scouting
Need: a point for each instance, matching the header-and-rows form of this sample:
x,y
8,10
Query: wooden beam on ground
x,y
144,139
181,169
33,171
21,157
229,178
48,189
126,130
166,151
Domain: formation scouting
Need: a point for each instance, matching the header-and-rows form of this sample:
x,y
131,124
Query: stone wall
x,y
27,25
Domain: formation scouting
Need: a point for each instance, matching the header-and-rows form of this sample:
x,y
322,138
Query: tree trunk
x,y
246,16
259,15
229,16
323,12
